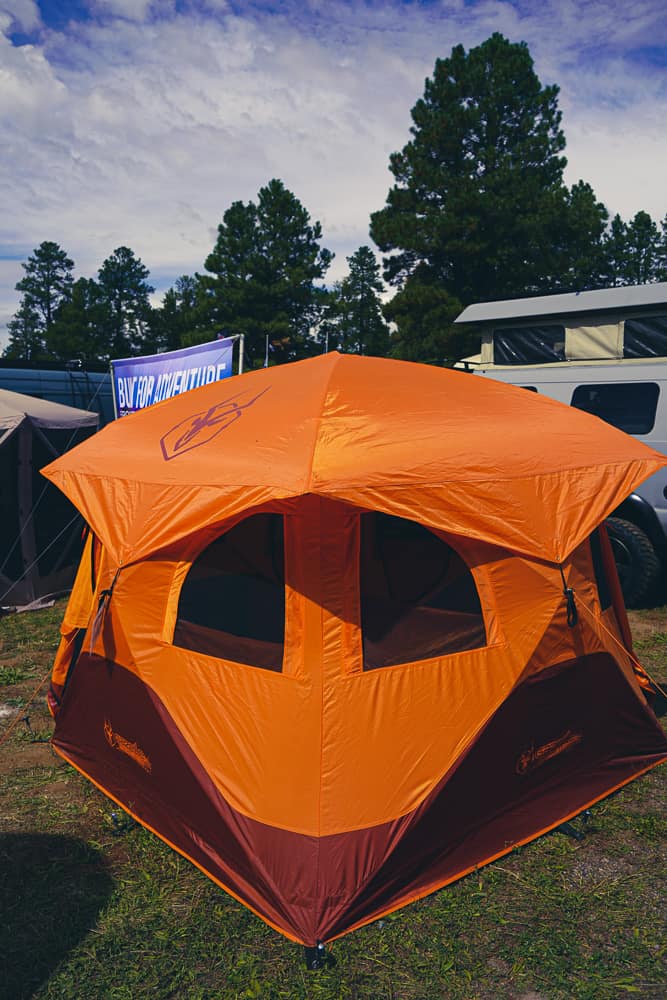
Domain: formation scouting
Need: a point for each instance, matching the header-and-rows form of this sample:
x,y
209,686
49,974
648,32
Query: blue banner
x,y
140,382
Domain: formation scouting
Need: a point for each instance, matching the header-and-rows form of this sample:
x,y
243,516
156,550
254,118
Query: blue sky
x,y
138,122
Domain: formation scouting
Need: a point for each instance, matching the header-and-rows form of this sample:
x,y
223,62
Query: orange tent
x,y
348,628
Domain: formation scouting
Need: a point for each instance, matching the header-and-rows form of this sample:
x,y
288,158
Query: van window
x,y
645,337
629,406
418,597
232,603
526,345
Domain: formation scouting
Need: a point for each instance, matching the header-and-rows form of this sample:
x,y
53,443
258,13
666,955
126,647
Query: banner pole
x,y
241,352
113,391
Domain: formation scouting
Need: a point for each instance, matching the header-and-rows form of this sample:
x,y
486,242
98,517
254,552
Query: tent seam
x,y
351,485
318,424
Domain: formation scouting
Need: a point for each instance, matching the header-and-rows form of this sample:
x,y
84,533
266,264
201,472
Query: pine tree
x,y
26,340
423,313
262,274
574,257
643,250
614,251
635,252
78,328
124,290
479,210
477,185
662,265
47,283
354,320
48,280
180,320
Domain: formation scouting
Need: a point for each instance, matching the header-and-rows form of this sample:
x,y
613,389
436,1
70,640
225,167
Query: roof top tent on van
x,y
603,351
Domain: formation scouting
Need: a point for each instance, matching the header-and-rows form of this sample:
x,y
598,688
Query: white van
x,y
604,352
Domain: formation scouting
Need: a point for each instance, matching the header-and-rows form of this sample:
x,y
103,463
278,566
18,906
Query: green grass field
x,y
91,907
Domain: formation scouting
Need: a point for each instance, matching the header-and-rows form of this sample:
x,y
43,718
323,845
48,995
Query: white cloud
x,y
19,14
130,10
141,129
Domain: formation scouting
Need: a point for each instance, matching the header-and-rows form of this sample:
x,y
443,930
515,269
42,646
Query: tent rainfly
x,y
40,531
348,628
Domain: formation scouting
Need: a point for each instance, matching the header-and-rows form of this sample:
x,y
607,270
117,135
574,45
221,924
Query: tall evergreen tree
x,y
48,280
474,195
262,274
614,252
354,321
178,320
125,291
26,335
643,250
46,284
574,257
479,209
662,267
636,251
423,312
77,331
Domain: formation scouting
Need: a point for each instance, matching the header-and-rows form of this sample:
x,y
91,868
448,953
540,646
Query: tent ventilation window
x,y
232,603
529,345
418,597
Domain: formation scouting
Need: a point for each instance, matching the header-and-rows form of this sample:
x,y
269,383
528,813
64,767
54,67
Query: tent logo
x,y
125,746
202,427
533,758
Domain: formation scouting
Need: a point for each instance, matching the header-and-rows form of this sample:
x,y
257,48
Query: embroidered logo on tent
x,y
535,757
202,427
119,742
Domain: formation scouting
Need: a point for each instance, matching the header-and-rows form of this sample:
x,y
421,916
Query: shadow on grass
x,y
52,889
659,705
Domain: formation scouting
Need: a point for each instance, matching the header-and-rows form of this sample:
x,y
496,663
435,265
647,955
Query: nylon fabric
x,y
319,792
535,476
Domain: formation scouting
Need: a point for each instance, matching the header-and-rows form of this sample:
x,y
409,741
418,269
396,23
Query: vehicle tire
x,y
636,560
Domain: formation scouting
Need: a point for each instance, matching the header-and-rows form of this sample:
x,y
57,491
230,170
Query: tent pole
x,y
113,392
26,528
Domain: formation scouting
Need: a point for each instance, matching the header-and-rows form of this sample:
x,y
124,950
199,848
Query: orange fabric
x,y
324,747
531,475
80,601
77,613
428,889
128,810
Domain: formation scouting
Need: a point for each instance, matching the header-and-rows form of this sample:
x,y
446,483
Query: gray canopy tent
x,y
40,531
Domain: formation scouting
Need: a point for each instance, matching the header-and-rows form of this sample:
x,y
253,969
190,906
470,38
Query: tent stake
x,y
318,957
570,830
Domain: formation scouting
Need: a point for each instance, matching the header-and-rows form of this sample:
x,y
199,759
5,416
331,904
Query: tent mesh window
x,y
232,603
645,337
11,555
525,345
418,597
55,517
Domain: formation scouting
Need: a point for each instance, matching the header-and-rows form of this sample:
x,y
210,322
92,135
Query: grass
x,y
91,907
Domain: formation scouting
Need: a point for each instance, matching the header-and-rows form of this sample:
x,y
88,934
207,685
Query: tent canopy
x,y
15,407
483,459
37,548
316,642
